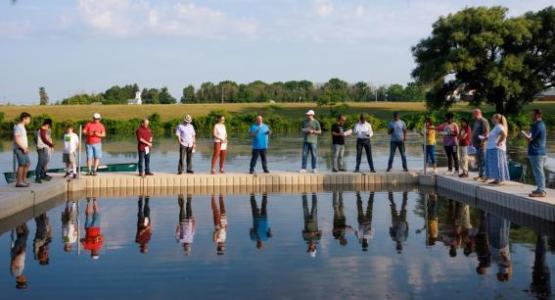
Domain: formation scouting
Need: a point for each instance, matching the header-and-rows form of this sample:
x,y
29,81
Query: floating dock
x,y
512,196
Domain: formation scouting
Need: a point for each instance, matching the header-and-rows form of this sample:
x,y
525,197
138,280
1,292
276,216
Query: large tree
x,y
43,96
481,52
188,95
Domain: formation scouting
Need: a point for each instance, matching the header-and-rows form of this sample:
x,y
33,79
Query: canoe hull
x,y
122,167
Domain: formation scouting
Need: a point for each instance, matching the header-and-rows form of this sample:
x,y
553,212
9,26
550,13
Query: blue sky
x,y
72,46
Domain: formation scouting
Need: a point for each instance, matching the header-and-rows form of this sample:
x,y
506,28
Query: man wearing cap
x,y
186,137
95,132
311,129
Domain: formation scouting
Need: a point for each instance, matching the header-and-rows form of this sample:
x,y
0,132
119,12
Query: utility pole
x,y
222,94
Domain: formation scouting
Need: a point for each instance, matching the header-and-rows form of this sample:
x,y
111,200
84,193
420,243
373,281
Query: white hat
x,y
97,116
188,119
310,113
95,257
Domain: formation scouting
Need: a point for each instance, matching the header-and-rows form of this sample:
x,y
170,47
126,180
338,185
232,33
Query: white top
x,y
186,231
493,137
363,130
221,235
20,131
186,134
220,134
71,142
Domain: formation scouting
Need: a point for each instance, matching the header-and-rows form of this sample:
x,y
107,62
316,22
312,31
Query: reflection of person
x,y
93,240
311,233
260,231
17,264
399,230
451,231
69,225
479,128
45,146
364,133
432,220
497,167
259,133
338,144
186,136
144,147
536,152
340,226
365,232
21,149
144,224
450,132
397,129
498,230
220,144
185,230
220,224
43,237
541,275
311,129
482,247
95,132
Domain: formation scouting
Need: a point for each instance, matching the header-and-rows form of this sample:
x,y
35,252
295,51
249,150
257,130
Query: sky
x,y
86,46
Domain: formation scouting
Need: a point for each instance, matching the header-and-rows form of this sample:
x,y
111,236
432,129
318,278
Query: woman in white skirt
x,y
497,168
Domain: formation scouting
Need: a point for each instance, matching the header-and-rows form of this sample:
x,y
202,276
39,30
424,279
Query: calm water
x,y
419,246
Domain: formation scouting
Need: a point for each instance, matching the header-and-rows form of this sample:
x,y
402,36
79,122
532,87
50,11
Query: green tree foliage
x,y
43,96
334,91
188,95
157,96
83,99
483,53
120,95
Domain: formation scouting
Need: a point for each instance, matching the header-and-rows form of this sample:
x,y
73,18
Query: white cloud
x,y
323,8
129,18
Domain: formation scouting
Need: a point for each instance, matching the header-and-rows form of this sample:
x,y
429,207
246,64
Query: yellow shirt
x,y
430,136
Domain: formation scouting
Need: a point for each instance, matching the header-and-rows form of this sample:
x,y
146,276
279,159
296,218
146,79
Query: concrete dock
x,y
512,196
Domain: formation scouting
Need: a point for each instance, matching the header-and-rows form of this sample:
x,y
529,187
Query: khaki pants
x,y
463,158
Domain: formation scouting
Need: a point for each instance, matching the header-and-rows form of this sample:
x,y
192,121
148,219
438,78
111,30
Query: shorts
x,y
92,221
22,158
69,158
94,151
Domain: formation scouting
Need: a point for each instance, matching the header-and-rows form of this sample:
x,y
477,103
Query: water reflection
x,y
365,232
311,233
260,231
340,226
186,227
399,230
93,240
18,249
144,224
220,223
43,237
541,275
70,228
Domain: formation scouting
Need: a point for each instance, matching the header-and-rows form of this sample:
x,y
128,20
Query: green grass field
x,y
381,110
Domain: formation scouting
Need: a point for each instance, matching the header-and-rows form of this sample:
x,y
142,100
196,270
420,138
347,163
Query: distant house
x,y
548,95
137,100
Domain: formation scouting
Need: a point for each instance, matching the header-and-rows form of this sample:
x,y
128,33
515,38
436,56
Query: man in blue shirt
x,y
397,129
259,133
536,152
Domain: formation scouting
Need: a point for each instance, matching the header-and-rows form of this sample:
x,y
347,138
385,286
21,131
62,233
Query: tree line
x,y
334,90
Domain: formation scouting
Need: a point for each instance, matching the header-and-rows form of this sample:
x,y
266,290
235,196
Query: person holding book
x,y
311,129
69,156
536,151
450,131
338,134
497,168
364,133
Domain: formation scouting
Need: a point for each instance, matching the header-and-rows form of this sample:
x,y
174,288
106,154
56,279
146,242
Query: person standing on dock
x,y
185,230
45,146
311,129
497,168
144,145
397,129
311,233
536,151
364,133
430,147
21,149
260,232
95,132
479,128
259,133
365,231
338,134
464,141
186,136
220,224
69,156
450,131
220,144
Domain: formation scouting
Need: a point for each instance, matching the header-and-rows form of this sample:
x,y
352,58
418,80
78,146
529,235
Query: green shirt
x,y
314,125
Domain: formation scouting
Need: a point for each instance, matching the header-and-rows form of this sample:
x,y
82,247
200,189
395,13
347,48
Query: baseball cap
x,y
97,116
310,113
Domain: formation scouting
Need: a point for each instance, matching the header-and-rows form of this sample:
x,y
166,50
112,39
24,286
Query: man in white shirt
x,y
363,131
186,137
21,149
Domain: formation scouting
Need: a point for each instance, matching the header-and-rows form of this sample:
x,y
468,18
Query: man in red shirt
x,y
93,240
144,144
95,132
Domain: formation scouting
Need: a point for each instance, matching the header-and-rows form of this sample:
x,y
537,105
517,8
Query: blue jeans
x,y
144,157
311,148
480,160
431,154
393,147
537,163
42,162
94,151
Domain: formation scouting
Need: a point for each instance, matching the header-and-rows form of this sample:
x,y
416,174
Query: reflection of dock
x,y
512,197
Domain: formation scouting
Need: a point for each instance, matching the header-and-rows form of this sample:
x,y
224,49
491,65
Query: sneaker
x,y
463,175
47,178
21,185
406,170
149,174
334,170
251,172
180,173
314,171
448,173
141,175
38,180
266,171
356,171
372,171
302,171
388,170
537,194
94,173
74,176
190,172
67,175
343,170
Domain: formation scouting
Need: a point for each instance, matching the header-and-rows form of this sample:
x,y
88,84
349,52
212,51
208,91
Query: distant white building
x,y
137,100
